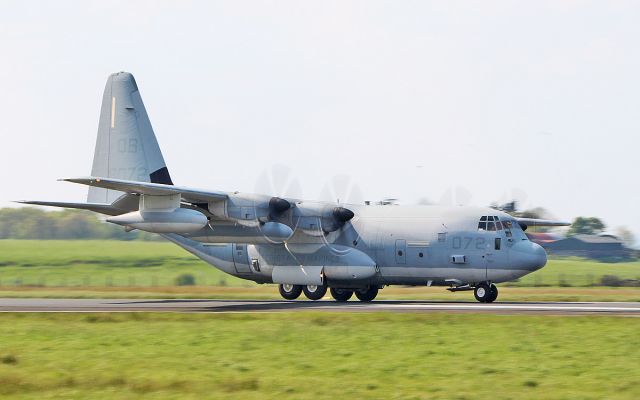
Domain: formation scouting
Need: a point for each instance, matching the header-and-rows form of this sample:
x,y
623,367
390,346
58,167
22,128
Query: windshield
x,y
492,223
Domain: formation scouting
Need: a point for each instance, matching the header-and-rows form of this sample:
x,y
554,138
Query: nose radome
x,y
529,255
539,256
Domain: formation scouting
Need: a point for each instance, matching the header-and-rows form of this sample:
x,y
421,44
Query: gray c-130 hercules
x,y
304,246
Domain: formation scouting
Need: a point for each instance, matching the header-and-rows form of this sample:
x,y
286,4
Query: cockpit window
x,y
493,223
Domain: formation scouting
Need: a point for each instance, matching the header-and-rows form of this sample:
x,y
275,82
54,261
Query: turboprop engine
x,y
250,210
256,211
317,219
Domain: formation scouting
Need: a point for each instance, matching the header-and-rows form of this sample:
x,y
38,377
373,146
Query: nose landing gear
x,y
485,292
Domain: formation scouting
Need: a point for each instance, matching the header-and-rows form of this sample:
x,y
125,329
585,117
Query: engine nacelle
x,y
248,209
179,220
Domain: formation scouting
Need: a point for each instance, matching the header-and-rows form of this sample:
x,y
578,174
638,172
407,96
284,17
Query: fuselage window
x,y
498,243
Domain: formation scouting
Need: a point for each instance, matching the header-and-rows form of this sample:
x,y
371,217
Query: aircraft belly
x,y
424,274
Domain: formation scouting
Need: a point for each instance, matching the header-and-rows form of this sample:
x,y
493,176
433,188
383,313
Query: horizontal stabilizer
x,y
153,189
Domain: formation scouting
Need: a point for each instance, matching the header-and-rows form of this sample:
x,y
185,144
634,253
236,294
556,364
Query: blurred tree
x,y
627,237
586,226
35,223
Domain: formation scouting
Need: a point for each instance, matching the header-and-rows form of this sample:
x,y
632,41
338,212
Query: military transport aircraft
x,y
304,246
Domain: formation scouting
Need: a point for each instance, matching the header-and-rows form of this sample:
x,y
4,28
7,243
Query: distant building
x,y
601,247
543,238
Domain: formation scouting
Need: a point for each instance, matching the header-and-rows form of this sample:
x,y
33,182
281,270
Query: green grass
x,y
51,263
317,356
579,272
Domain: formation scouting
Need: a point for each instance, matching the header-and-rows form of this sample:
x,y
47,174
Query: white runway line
x,y
495,307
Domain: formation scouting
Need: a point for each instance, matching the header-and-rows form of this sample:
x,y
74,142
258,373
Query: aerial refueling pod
x,y
179,220
161,214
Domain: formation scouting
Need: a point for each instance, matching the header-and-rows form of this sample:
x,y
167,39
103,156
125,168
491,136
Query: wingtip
x,y
79,179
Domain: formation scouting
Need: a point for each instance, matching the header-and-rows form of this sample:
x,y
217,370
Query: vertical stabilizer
x,y
126,147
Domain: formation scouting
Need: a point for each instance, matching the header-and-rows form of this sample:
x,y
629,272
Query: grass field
x,y
317,356
149,269
51,263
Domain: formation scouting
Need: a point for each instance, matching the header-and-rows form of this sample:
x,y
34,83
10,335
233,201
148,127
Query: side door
x,y
240,258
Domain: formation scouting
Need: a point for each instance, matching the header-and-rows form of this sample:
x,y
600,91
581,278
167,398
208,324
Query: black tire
x,y
289,292
494,294
341,295
367,294
482,292
314,292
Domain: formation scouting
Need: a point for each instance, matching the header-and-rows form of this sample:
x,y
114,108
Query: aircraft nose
x,y
539,257
529,255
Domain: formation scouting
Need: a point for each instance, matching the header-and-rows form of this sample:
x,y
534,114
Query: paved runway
x,y
217,306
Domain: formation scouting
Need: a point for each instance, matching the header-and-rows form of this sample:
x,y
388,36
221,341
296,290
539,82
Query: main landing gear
x,y
314,292
317,292
486,293
341,295
292,292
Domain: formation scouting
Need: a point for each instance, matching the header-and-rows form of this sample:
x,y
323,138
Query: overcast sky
x,y
455,102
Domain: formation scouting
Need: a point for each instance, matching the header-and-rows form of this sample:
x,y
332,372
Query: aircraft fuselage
x,y
382,245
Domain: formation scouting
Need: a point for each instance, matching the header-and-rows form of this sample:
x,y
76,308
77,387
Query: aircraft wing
x,y
540,222
108,209
154,189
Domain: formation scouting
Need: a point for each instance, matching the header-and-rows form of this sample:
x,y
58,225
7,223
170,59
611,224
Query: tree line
x,y
35,223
